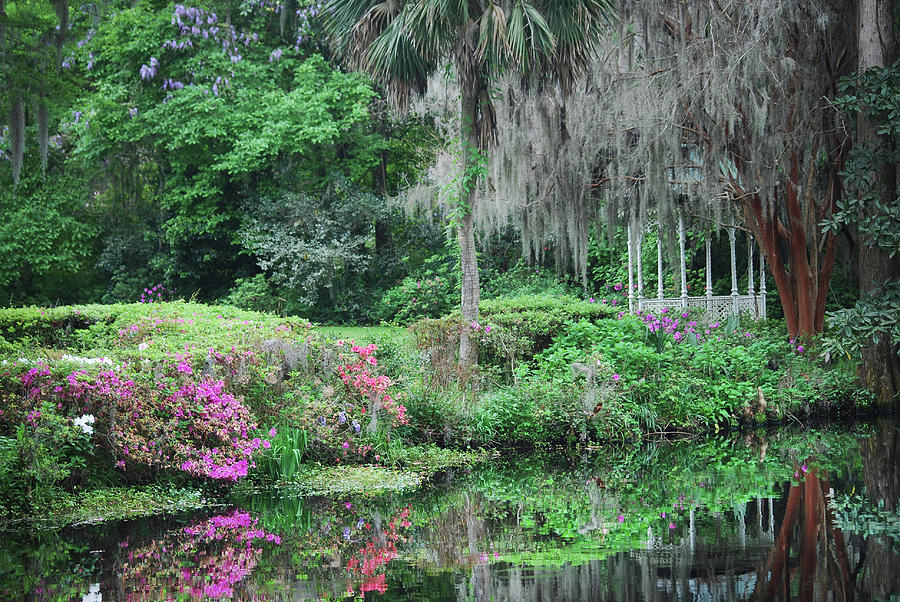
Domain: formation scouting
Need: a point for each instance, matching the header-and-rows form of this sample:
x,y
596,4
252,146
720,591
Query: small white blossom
x,y
84,422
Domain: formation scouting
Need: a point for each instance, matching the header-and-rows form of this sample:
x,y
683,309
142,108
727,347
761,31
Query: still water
x,y
801,514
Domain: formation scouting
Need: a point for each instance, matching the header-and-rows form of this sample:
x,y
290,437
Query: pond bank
x,y
702,517
201,398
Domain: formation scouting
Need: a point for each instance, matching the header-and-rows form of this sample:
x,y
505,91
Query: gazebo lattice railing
x,y
717,307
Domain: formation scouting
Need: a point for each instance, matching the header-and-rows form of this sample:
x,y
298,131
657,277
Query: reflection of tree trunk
x,y
881,475
821,548
779,558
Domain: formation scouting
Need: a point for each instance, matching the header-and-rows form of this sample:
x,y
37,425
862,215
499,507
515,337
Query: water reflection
x,y
722,519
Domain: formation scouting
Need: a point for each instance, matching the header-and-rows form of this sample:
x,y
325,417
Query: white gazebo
x,y
718,307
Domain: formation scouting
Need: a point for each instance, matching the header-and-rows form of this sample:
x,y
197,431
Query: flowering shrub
x,y
343,416
361,382
197,427
677,326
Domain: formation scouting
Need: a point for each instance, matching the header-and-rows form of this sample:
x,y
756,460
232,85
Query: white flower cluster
x,y
84,422
21,360
86,360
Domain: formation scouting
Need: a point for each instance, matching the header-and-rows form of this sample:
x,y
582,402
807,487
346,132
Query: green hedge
x,y
24,327
509,330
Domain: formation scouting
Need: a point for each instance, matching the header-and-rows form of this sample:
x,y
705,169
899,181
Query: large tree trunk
x,y
465,231
802,277
880,370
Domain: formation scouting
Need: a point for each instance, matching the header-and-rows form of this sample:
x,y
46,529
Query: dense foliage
x,y
204,170
187,139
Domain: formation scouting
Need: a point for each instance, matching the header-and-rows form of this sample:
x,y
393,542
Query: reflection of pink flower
x,y
671,525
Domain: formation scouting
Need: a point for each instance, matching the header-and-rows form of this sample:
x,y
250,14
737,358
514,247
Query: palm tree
x,y
402,42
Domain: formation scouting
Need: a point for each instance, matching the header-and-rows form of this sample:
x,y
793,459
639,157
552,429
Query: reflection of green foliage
x,y
553,509
543,510
41,561
855,513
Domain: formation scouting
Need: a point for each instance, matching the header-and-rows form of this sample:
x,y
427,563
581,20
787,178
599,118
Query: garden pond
x,y
801,513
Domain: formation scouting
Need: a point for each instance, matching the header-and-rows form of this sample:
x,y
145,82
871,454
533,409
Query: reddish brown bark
x,y
803,275
778,564
821,550
809,548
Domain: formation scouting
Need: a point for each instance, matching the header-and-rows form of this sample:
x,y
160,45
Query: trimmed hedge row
x,y
509,330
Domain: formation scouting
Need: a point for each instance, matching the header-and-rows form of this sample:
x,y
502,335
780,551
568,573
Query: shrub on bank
x,y
613,378
509,330
150,389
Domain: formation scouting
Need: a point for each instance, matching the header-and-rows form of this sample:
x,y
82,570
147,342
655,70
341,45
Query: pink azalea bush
x,y
193,425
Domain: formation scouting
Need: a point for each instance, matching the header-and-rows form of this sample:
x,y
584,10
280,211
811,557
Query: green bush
x,y
254,293
690,386
29,327
429,293
509,330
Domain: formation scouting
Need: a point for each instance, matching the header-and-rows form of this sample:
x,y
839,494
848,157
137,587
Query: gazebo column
x,y
709,301
681,236
734,286
659,264
762,284
630,270
640,270
750,290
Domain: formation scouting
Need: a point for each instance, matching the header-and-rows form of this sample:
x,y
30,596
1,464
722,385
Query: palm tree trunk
x,y
465,233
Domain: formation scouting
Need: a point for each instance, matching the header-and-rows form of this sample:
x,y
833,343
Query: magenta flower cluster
x,y
205,560
219,445
679,325
156,293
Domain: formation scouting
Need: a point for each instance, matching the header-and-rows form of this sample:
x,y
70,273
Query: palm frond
x,y
396,61
369,27
340,18
435,24
530,35
579,26
493,42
